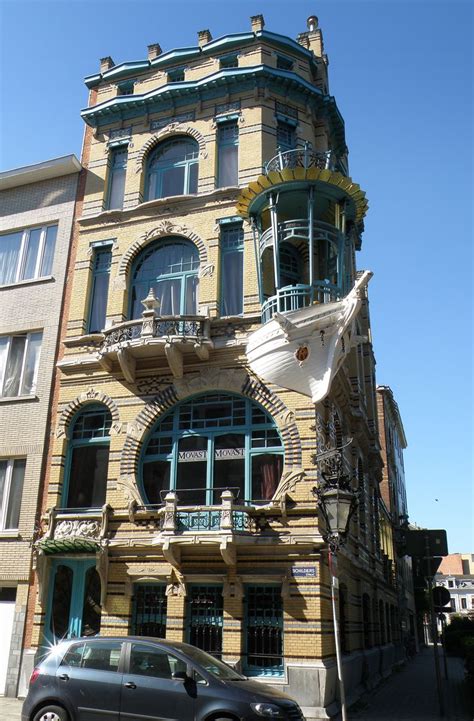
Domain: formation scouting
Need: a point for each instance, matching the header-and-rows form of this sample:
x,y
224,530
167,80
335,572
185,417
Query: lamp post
x,y
337,501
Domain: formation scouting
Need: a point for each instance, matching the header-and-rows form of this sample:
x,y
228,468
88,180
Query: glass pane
x,y
156,478
30,372
192,283
11,384
232,283
3,478
48,252
172,181
193,178
228,166
10,245
91,609
117,188
102,656
88,477
168,292
100,291
191,474
61,602
94,423
16,489
229,465
149,661
266,474
3,359
34,237
74,655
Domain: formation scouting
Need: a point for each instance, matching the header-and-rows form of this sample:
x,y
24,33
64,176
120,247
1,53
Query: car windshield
x,y
212,665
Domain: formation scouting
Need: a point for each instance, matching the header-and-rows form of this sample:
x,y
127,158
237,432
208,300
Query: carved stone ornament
x,y
288,482
285,418
228,379
233,588
129,488
206,271
77,529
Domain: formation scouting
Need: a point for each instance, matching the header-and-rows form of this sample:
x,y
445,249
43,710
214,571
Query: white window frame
x,y
23,362
6,494
23,252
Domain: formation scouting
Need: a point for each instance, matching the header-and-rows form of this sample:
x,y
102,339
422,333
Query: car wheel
x,y
51,713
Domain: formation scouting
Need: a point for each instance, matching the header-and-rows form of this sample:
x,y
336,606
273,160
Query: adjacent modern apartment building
x,y
179,498
36,214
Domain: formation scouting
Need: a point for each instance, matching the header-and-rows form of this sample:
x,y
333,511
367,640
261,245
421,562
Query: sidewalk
x,y
410,694
10,709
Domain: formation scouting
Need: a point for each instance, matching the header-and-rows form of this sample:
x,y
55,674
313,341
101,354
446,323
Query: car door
x,y
89,679
149,691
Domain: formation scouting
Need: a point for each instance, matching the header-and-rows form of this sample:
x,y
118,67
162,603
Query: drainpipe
x,y
311,238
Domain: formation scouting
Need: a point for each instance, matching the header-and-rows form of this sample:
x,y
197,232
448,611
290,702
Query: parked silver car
x,y
146,679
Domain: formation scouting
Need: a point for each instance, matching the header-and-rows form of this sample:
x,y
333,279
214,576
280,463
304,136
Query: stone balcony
x,y
152,335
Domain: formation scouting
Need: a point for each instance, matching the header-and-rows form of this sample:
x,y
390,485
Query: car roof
x,y
178,645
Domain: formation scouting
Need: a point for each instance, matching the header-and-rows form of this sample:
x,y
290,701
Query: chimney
x,y
154,50
204,37
258,23
312,39
106,64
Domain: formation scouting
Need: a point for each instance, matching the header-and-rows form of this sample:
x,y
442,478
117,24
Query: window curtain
x,y
30,373
266,474
29,270
48,252
16,490
10,246
11,384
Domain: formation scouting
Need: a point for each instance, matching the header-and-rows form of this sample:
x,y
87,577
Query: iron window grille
x,y
205,616
149,610
264,630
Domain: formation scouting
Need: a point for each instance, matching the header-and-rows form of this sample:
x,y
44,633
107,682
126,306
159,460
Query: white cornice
x,y
55,168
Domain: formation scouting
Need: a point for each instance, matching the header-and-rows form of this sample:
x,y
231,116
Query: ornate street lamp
x,y
337,501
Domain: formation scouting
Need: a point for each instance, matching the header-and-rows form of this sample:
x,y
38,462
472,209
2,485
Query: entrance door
x,y
74,600
7,611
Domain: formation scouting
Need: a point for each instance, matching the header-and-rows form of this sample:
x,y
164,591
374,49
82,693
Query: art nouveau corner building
x,y
217,207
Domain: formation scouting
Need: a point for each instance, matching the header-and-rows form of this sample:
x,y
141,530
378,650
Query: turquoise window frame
x,y
79,568
231,241
182,275
187,164
114,167
188,612
210,433
76,443
99,254
289,127
226,139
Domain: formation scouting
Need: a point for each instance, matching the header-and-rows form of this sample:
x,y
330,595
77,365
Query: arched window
x,y
366,622
88,458
170,267
172,169
212,443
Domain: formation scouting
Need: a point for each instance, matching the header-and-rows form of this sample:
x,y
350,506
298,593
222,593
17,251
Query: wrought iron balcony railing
x,y
225,518
302,158
295,297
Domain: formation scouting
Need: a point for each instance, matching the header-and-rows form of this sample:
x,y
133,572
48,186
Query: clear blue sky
x,y
402,76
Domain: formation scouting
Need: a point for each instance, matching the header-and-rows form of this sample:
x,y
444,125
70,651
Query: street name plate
x,y
304,571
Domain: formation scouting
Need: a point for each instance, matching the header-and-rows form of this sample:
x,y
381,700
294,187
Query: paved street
x,y
408,695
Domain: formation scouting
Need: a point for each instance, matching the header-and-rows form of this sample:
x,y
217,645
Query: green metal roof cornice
x,y
67,545
124,107
226,42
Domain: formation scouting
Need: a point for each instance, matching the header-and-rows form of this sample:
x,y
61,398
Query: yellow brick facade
x,y
286,550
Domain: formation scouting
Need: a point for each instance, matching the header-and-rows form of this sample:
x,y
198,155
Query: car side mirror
x,y
180,676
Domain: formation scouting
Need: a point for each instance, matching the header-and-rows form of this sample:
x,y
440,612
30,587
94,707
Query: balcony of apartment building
x,y
74,530
306,215
170,336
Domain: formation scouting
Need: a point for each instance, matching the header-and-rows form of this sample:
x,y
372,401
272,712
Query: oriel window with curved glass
x,y
209,444
172,169
171,268
88,458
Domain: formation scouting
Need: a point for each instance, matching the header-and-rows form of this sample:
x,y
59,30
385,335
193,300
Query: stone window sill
x,y
29,281
17,399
